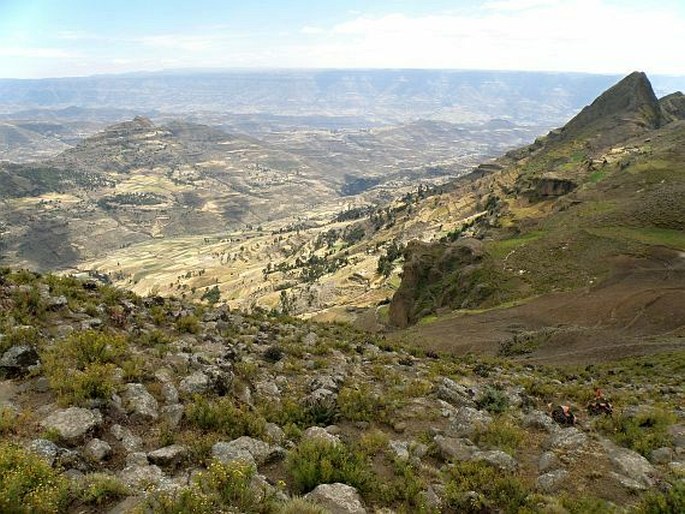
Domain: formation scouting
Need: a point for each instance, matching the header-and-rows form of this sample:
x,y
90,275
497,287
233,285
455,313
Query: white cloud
x,y
581,35
309,30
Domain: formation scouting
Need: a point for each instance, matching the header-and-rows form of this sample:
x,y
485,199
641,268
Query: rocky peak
x,y
672,107
137,124
630,106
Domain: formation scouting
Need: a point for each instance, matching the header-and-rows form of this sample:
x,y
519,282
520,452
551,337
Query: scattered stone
x,y
337,498
567,439
548,462
496,458
168,456
551,481
274,433
662,455
400,449
169,393
17,361
320,434
455,448
630,464
46,450
539,421
468,421
197,383
140,404
172,415
453,393
253,451
97,450
128,440
74,423
137,459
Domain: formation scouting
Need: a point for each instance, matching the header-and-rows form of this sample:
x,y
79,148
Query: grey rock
x,y
169,393
274,433
248,449
46,450
568,439
128,440
197,383
399,449
137,459
143,476
551,481
337,498
56,302
320,434
16,361
548,462
455,448
97,450
140,404
539,421
172,415
630,464
677,433
496,458
468,421
74,423
168,456
453,393
662,455
628,482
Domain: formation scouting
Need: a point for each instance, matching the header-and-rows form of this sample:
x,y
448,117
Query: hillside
x,y
584,228
110,402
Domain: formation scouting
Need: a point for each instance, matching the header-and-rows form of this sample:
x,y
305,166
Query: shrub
x,y
670,502
100,488
502,434
28,484
359,404
301,506
222,488
188,324
223,417
493,400
644,432
478,487
315,462
80,349
273,354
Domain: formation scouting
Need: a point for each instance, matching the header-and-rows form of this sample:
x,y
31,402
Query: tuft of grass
x,y
223,417
100,488
502,434
359,404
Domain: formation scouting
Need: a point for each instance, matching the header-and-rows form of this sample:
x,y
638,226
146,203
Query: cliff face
x,y
436,275
673,107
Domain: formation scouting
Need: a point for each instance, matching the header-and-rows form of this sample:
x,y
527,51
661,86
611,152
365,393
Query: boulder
x,y
16,361
453,393
97,450
73,424
496,458
320,434
128,440
248,449
46,450
630,464
468,421
168,456
551,481
337,499
196,383
140,404
568,439
454,448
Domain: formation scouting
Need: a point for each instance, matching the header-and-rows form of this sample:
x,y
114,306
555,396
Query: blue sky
x,y
43,38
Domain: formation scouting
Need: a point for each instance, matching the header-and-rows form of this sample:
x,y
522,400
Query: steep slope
x,y
595,208
110,402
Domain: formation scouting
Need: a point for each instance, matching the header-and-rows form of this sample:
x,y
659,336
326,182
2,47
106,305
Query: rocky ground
x,y
116,403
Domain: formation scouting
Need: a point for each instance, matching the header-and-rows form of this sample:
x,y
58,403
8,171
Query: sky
x,y
54,38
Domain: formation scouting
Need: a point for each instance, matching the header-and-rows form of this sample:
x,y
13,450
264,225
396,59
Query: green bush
x,y
315,462
28,484
670,502
478,487
501,434
359,404
100,488
222,416
493,400
188,324
222,488
644,432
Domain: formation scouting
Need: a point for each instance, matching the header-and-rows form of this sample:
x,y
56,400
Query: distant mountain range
x,y
354,96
